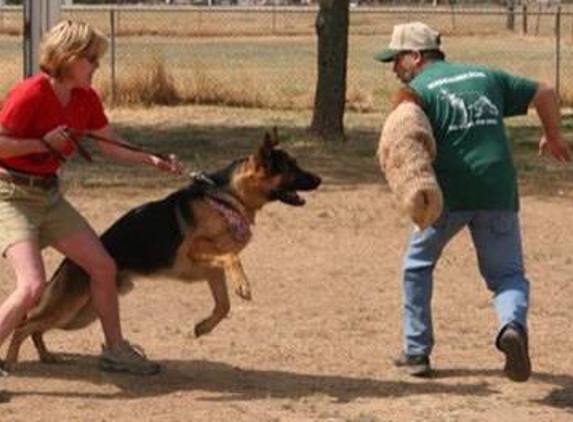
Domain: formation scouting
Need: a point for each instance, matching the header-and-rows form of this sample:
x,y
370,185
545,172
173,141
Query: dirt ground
x,y
316,342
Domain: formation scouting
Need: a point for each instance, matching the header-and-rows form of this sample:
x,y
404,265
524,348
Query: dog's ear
x,y
275,136
263,154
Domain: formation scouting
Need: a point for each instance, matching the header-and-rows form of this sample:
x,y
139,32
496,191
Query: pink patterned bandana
x,y
238,223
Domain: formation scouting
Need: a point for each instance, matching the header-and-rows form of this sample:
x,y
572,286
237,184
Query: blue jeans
x,y
497,241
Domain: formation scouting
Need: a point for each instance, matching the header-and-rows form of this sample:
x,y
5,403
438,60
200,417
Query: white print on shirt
x,y
457,78
470,109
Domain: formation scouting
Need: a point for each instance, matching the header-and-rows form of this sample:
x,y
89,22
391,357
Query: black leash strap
x,y
73,137
126,146
83,152
53,150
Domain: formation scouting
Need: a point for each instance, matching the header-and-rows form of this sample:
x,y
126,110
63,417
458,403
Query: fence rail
x,y
266,55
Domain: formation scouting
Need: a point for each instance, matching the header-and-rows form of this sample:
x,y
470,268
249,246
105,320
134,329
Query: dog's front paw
x,y
202,328
244,292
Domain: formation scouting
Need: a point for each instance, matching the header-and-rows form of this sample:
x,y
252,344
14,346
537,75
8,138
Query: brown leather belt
x,y
47,182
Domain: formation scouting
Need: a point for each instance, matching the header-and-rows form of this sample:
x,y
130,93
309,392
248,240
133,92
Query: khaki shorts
x,y
34,213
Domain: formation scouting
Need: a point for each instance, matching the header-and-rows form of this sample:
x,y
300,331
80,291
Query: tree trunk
x,y
330,97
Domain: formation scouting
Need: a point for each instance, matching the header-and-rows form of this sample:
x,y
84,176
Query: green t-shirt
x,y
466,105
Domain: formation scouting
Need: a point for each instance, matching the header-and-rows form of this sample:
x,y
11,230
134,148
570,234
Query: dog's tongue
x,y
296,199
291,198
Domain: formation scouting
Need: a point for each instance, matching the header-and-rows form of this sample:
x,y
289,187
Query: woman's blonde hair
x,y
67,41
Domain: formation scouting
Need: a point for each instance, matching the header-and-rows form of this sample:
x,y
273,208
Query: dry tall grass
x,y
205,88
154,83
149,84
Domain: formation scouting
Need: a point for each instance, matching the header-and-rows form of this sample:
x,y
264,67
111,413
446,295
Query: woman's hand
x,y
170,163
57,138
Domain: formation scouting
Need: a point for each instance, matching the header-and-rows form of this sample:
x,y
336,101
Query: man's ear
x,y
418,57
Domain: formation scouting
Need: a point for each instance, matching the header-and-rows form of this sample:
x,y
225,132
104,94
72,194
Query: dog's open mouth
x,y
289,197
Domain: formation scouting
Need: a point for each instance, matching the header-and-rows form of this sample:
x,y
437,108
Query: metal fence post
x,y
571,26
510,23
538,19
524,19
453,15
274,18
557,51
112,54
39,16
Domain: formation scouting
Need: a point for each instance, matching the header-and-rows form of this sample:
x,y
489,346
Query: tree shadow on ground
x,y
343,165
223,382
208,148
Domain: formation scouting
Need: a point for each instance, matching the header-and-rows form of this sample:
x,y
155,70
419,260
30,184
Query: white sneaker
x,y
126,357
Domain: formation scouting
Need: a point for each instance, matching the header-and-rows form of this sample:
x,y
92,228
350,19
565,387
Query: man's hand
x,y
557,147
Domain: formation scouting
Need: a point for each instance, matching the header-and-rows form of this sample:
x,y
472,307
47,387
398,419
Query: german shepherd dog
x,y
195,233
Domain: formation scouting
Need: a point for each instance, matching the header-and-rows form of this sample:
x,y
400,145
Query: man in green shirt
x,y
466,105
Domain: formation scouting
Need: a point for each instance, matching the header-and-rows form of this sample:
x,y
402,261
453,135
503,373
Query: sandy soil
x,y
316,341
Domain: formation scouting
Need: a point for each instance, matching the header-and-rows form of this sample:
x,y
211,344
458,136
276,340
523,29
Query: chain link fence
x,y
266,56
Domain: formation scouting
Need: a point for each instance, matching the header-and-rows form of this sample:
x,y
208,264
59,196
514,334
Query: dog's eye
x,y
285,166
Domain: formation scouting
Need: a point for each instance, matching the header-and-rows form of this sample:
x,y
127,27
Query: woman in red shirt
x,y
36,119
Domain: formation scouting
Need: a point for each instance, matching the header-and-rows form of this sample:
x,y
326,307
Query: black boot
x,y
512,341
415,365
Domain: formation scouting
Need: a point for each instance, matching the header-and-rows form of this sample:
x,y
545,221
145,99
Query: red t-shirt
x,y
31,109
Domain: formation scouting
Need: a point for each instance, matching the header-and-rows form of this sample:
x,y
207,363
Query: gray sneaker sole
x,y
421,371
517,363
110,366
413,369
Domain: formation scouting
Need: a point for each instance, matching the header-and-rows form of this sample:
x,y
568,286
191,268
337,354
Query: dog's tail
x,y
70,286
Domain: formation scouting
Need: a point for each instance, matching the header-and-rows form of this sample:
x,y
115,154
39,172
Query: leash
x,y
83,152
73,136
53,150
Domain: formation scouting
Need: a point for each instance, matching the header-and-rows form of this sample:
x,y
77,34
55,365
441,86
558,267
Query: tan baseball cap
x,y
412,36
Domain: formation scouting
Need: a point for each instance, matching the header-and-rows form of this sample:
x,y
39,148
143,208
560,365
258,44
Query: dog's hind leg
x,y
21,334
36,325
217,283
234,271
45,355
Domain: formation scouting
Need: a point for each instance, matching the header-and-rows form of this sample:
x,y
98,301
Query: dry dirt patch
x,y
315,342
